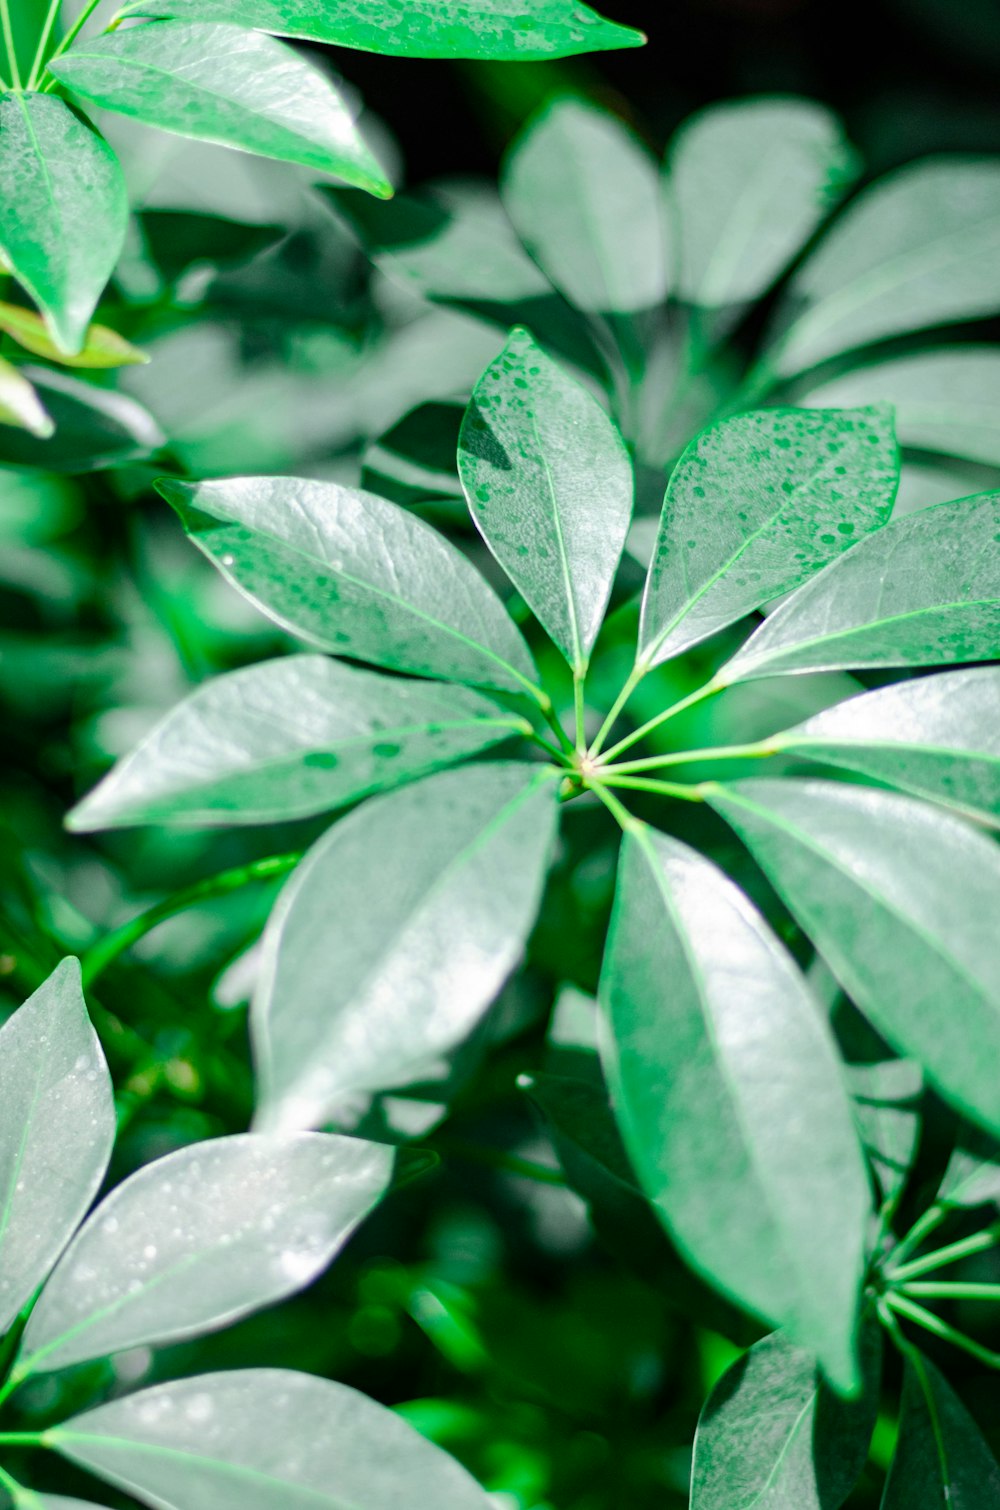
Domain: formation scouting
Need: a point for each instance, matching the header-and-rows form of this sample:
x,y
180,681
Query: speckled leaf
x,y
355,575
289,738
728,1088
63,210
750,181
584,195
886,1098
922,591
900,899
756,505
942,1459
223,84
253,1439
20,405
497,30
934,736
947,400
549,485
972,1177
102,348
918,248
773,1436
395,933
200,1238
57,1128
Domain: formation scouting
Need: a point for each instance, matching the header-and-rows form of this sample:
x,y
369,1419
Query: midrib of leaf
x,y
786,1448
22,1149
917,1364
579,660
745,213
881,743
29,126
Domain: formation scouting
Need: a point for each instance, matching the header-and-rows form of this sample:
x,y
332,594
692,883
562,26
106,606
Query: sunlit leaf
x,y
20,405
972,1177
941,1456
886,1098
101,347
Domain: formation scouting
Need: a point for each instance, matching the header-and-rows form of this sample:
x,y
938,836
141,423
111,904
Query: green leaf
x,y
435,889
253,1439
287,739
751,180
757,504
886,1098
933,736
29,1499
355,575
102,347
200,1238
549,485
897,897
918,248
731,1098
57,1127
972,1177
498,30
63,211
922,591
20,405
223,84
941,1457
773,1436
93,428
947,400
585,198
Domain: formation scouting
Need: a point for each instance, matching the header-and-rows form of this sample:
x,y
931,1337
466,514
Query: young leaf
x,y
20,405
934,736
92,427
57,1128
200,1238
549,485
972,1177
219,83
750,181
289,738
584,196
490,30
774,1436
395,933
916,249
757,504
941,1458
355,575
898,898
731,1098
252,1439
63,211
886,1098
922,591
102,347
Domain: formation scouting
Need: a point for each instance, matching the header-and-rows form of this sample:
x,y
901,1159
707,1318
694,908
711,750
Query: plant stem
x,y
617,809
8,42
708,690
549,714
38,65
661,788
939,1328
22,1439
756,751
107,949
635,677
8,1482
579,711
922,1228
968,1246
73,32
958,1290
548,747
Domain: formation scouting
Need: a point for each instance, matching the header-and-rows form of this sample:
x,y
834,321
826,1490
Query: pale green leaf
x,y
20,405
92,427
732,1101
922,591
355,575
218,83
57,1127
886,1098
102,347
63,211
972,1177
29,1499
900,899
254,1439
549,485
433,890
200,1238
750,182
941,1459
755,505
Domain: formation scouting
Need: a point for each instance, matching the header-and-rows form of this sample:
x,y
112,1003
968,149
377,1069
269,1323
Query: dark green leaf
x,y
94,428
63,210
899,899
887,1106
414,461
223,84
355,575
20,405
941,1460
434,890
549,484
731,1098
756,505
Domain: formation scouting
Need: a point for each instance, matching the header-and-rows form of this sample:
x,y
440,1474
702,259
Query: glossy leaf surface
x,y
200,1238
750,182
57,1127
63,211
221,84
549,485
899,898
941,1457
20,405
755,505
732,1100
935,736
355,575
102,347
251,1439
395,933
289,738
922,591
972,1177
94,427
